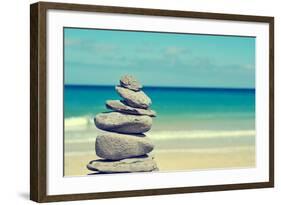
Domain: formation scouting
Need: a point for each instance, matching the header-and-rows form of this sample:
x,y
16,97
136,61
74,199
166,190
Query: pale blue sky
x,y
100,57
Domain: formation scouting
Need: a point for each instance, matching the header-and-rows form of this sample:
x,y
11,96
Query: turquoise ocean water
x,y
207,117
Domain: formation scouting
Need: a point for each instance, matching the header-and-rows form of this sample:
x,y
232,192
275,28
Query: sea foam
x,y
78,122
175,135
200,134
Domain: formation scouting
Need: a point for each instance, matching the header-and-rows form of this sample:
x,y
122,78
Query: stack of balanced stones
x,y
124,146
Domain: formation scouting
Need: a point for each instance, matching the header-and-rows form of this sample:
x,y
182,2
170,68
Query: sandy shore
x,y
176,160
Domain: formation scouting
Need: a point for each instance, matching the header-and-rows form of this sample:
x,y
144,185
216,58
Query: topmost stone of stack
x,y
130,82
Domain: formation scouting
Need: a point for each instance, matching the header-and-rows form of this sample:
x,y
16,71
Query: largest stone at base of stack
x,y
124,147
137,164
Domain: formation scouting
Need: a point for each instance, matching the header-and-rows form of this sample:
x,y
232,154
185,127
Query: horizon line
x,y
155,86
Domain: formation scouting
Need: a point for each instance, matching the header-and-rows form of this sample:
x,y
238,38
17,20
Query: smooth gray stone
x,y
123,123
140,164
115,146
134,99
119,106
130,82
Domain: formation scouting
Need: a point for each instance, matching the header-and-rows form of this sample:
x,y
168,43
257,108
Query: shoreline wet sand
x,y
176,160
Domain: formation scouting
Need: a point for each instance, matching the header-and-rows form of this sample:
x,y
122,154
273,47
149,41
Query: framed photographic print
x,y
134,102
